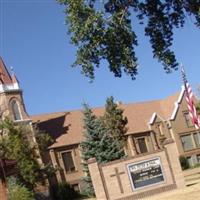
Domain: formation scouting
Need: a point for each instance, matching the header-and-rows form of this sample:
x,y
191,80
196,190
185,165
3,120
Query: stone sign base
x,y
138,177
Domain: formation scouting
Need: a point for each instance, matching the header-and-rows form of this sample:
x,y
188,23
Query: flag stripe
x,y
190,103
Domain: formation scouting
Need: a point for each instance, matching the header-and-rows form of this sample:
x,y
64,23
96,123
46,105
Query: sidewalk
x,y
188,193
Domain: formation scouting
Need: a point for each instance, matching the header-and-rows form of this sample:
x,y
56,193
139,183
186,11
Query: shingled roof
x,y
67,127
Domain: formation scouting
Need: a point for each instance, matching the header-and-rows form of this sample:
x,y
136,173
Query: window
x,y
197,139
142,145
15,110
68,161
188,119
187,142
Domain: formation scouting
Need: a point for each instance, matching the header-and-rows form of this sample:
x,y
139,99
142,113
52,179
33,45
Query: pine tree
x,y
115,122
88,147
107,149
97,144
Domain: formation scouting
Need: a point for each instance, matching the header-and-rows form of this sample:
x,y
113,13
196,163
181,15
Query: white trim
x,y
16,85
161,118
152,118
9,87
176,104
23,120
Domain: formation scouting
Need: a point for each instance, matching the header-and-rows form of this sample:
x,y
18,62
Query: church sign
x,y
145,173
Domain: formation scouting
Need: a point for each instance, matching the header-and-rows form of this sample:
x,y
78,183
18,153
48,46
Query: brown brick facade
x,y
148,122
113,181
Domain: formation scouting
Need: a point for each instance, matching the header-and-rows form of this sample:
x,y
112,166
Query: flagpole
x,y
183,77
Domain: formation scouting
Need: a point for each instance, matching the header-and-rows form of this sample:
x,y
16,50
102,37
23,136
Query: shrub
x,y
196,165
184,163
63,191
17,191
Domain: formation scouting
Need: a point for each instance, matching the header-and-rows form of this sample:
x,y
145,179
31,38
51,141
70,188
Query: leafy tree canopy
x,y
102,29
16,143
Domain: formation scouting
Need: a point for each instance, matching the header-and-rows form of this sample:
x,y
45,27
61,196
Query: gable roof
x,y
67,127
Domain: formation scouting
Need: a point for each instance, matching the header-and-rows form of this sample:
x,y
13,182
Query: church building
x,y
149,124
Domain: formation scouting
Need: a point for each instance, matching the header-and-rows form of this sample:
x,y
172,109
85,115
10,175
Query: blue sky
x,y
34,41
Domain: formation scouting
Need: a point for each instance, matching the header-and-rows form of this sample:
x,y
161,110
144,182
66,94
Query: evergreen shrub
x,y
184,163
63,191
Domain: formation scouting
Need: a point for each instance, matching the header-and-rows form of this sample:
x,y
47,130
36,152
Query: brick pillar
x,y
153,138
131,146
96,177
3,190
55,164
174,162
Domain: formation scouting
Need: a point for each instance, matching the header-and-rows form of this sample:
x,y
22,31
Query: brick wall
x,y
113,180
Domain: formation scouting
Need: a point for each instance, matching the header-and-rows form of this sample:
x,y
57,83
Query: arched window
x,y
15,110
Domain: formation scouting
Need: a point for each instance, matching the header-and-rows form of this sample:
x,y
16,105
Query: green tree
x,y
88,147
43,140
184,162
114,121
103,30
17,191
98,144
17,143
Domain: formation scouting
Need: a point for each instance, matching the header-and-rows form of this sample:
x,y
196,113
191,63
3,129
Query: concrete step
x,y
189,172
192,179
192,175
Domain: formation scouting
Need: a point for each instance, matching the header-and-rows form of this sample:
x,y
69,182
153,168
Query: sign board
x,y
145,173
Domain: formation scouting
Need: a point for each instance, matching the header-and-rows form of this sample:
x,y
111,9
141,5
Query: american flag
x,y
190,103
